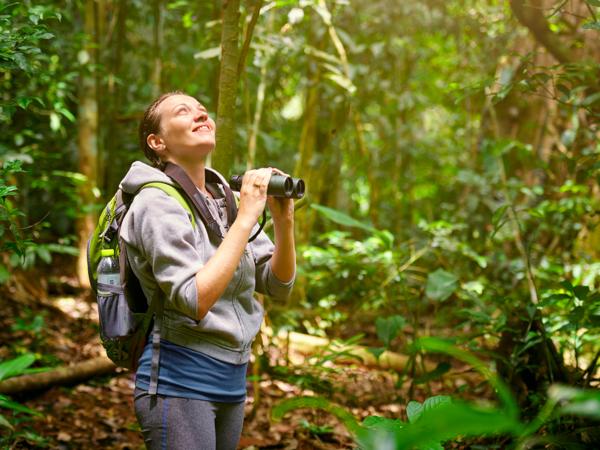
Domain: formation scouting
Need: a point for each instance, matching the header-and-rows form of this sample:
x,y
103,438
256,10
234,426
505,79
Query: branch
x,y
248,37
65,375
529,13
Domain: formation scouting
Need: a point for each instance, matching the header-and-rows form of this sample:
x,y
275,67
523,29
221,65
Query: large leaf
x,y
16,366
388,328
285,406
440,370
580,402
438,345
440,285
342,218
449,420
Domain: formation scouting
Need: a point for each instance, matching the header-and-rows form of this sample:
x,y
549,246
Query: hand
x,y
281,208
253,194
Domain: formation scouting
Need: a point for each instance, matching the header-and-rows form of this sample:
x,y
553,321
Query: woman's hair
x,y
150,124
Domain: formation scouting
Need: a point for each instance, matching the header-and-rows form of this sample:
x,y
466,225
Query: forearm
x,y
213,278
283,261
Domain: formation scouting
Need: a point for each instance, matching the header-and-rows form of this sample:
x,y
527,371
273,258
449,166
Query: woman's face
x,y
186,132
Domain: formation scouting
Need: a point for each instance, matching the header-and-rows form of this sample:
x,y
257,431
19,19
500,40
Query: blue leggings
x,y
175,423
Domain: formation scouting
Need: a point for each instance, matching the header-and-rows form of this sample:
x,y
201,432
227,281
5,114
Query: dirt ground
x,y
61,328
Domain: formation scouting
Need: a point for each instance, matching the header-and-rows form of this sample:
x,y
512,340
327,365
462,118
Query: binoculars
x,y
279,186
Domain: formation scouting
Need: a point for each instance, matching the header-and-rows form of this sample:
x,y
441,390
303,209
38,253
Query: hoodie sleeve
x,y
266,281
159,231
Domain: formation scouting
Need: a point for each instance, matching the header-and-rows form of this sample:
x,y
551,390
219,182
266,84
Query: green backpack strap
x,y
176,194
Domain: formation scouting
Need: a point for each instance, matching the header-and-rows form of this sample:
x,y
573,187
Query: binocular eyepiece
x,y
279,186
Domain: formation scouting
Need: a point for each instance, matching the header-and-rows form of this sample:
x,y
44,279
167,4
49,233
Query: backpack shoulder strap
x,y
178,175
173,192
230,199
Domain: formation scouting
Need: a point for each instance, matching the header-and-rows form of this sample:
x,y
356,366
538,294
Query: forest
x,y
446,293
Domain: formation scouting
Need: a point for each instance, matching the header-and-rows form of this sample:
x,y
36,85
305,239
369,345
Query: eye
x,y
182,110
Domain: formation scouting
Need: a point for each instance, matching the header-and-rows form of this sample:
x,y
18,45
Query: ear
x,y
156,143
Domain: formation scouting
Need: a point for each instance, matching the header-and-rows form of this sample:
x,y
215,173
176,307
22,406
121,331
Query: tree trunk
x,y
157,41
224,155
62,376
114,101
87,142
531,14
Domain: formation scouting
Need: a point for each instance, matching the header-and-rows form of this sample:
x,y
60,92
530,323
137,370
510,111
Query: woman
x,y
210,316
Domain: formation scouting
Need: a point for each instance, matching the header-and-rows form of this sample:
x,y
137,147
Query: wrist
x,y
244,223
283,221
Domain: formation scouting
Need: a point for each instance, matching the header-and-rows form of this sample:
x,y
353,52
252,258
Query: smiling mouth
x,y
202,128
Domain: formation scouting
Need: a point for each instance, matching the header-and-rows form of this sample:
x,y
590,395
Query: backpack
x,y
125,315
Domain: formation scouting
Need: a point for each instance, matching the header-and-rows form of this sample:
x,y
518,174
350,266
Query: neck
x,y
195,171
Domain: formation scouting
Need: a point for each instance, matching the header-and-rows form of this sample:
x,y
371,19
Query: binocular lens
x,y
299,188
279,186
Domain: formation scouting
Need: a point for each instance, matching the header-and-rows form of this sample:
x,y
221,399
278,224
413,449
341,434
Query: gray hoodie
x,y
165,252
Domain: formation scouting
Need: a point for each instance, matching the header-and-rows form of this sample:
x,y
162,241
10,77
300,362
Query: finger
x,y
262,179
252,179
248,177
279,172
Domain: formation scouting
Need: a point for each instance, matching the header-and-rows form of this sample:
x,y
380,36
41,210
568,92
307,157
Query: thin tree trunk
x,y
114,100
260,98
224,156
531,14
357,121
88,143
157,43
248,37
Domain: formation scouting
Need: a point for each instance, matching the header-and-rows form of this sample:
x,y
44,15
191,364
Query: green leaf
x,y
210,53
591,99
446,421
294,108
16,366
414,410
376,351
24,102
5,423
7,403
44,254
581,292
342,218
498,215
382,423
285,406
440,346
591,26
54,121
4,274
440,285
579,402
388,328
440,370
594,2
342,81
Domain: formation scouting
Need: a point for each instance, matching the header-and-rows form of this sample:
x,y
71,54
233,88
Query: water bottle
x,y
108,268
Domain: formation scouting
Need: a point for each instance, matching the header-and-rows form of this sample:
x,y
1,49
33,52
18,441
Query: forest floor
x,y
61,327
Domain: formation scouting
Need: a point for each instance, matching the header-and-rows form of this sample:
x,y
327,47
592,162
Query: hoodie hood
x,y
140,174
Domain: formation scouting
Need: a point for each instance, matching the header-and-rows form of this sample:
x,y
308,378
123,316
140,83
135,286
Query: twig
x,y
248,36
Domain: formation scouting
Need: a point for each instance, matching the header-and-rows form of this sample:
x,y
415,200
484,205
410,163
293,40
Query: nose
x,y
201,116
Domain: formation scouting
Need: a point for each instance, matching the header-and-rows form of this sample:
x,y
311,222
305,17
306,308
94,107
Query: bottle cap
x,y
107,252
